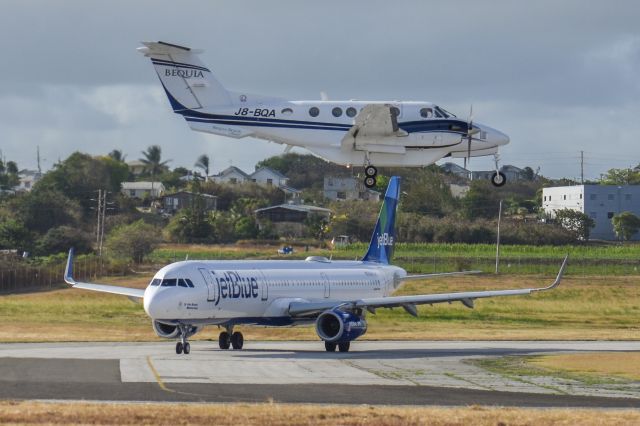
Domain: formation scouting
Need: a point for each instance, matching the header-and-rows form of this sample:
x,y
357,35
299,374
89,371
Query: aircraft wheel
x,y
179,348
186,348
224,341
370,171
344,346
498,179
370,182
329,346
237,340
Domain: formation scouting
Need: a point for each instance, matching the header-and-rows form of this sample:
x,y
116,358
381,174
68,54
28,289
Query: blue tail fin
x,y
383,238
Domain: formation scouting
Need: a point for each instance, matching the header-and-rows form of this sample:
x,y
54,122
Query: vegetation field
x,y
434,257
288,414
602,364
581,308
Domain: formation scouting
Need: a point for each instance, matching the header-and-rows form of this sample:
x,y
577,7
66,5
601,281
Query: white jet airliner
x,y
185,296
361,133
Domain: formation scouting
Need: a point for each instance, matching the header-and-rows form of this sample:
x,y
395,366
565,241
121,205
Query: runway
x,y
385,372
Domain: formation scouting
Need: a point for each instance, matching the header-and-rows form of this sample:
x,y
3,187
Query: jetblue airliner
x,y
185,296
353,132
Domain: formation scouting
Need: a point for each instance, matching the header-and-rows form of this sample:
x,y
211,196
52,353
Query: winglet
x,y
68,271
556,283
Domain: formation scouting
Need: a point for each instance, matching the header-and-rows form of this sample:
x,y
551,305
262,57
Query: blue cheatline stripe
x,y
178,64
263,124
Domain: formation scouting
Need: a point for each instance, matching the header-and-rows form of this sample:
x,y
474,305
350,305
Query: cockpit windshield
x,y
441,112
172,282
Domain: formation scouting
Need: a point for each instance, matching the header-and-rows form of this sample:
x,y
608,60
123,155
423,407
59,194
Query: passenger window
x,y
426,113
287,111
337,112
351,112
171,282
155,282
314,111
182,283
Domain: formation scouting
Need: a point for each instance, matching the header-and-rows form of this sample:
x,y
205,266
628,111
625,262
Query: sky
x,y
557,77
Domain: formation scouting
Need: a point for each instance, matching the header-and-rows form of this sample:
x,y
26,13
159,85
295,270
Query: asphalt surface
x,y
403,373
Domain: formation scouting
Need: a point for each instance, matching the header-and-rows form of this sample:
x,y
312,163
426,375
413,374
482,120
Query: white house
x,y
269,177
136,167
28,178
231,174
347,188
600,202
142,189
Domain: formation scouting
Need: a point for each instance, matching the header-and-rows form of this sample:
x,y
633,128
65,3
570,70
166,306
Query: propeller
x,y
470,132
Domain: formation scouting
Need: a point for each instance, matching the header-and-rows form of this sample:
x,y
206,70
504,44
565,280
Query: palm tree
x,y
152,157
117,155
203,163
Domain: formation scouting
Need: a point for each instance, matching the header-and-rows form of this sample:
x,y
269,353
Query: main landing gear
x,y
183,346
370,173
230,339
342,347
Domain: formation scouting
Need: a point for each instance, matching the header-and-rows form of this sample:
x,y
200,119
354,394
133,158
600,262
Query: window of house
x,y
314,111
351,112
609,215
132,192
269,182
564,197
426,112
581,196
610,197
233,180
593,215
337,112
341,195
593,197
544,198
549,197
627,197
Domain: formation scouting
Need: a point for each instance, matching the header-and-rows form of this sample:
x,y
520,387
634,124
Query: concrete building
x,y
347,188
456,170
142,189
289,219
600,202
231,174
28,178
136,167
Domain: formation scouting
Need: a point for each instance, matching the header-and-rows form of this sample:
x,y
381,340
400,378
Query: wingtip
x,y
68,270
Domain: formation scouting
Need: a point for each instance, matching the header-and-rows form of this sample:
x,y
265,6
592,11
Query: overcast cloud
x,y
557,77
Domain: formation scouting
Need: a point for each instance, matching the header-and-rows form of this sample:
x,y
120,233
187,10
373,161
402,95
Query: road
x,y
384,372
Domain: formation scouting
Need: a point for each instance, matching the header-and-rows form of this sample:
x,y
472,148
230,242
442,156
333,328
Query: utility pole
x,y
104,212
99,216
582,167
38,155
498,238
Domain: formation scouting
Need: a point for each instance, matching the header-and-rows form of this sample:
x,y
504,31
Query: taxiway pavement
x,y
383,372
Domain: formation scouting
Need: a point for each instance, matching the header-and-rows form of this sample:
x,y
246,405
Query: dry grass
x,y
621,364
594,308
288,414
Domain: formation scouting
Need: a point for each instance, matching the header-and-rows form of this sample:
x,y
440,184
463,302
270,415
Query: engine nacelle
x,y
337,326
169,331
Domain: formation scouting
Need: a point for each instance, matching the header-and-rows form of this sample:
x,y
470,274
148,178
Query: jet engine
x,y
169,331
335,326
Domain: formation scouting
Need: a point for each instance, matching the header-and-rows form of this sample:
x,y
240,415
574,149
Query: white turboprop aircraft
x,y
185,296
378,133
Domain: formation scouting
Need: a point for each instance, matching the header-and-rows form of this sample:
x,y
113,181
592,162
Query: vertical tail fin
x,y
188,82
383,238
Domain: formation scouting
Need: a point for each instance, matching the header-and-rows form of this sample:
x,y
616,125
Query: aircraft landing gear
x,y
229,339
370,173
329,346
183,346
498,178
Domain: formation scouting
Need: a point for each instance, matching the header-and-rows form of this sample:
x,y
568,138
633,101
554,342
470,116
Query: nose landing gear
x,y
183,346
498,178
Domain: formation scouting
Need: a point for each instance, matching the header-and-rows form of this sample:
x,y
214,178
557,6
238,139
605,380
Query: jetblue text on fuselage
x,y
233,286
186,73
385,240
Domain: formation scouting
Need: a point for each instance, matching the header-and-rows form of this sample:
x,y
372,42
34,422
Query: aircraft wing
x,y
409,302
123,291
372,125
437,275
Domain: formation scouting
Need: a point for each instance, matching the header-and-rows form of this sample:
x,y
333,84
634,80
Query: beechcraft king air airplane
x,y
377,133
183,297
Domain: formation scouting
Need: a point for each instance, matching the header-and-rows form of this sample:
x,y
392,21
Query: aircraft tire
x,y
224,340
498,179
237,340
344,346
186,348
370,182
370,171
330,346
179,348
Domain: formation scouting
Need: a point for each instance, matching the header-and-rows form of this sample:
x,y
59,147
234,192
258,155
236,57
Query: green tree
x,y
117,155
134,241
481,201
621,177
153,160
60,239
577,222
43,209
203,163
625,225
14,235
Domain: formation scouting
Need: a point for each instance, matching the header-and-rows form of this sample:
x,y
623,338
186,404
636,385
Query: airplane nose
x,y
501,138
155,303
